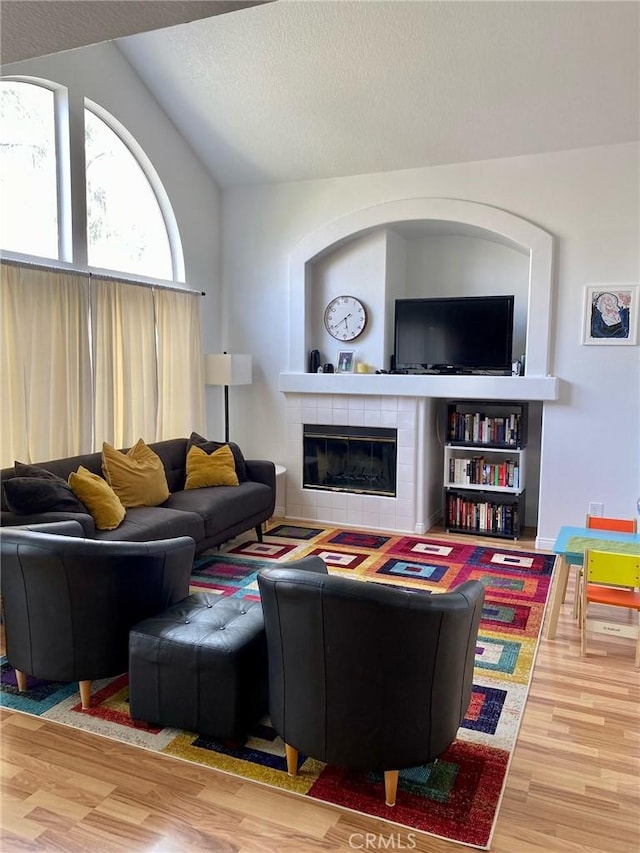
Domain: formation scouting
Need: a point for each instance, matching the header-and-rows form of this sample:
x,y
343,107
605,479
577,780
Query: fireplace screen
x,y
350,459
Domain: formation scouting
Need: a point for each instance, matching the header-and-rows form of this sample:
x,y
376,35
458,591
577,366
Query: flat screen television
x,y
464,334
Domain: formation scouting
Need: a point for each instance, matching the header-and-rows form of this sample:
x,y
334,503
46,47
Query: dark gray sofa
x,y
209,515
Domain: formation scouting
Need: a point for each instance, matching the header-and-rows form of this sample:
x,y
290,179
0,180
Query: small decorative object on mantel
x,y
314,361
346,361
610,314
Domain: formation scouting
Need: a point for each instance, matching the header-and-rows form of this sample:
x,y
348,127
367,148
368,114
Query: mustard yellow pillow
x,y
210,469
137,476
98,497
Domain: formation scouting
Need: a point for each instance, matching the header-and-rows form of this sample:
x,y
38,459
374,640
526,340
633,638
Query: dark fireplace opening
x,y
350,459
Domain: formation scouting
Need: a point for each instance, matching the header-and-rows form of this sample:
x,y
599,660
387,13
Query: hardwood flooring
x,y
573,784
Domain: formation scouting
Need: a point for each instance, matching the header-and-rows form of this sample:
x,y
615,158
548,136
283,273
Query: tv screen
x,y
467,333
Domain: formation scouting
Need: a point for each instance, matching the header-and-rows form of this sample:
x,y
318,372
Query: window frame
x,y
69,136
155,184
62,159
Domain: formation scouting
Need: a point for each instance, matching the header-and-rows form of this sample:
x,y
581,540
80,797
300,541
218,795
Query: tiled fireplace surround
x,y
411,510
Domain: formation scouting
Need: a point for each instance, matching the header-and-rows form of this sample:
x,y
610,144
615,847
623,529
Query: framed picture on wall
x,y
610,314
346,361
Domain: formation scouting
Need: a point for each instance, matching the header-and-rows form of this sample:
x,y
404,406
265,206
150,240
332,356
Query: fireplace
x,y
356,459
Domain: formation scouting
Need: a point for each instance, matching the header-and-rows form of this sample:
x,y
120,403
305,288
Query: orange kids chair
x,y
620,525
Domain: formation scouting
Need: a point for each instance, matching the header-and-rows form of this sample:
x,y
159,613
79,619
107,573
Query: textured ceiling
x,y
313,88
31,28
305,89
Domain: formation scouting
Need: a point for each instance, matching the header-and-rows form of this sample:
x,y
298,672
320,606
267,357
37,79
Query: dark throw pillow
x,y
21,469
4,506
30,495
210,446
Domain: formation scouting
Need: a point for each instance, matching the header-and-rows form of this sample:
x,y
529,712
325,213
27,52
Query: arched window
x,y
28,172
130,225
126,228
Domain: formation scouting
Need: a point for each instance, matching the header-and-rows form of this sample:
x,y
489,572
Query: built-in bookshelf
x,y
485,467
487,424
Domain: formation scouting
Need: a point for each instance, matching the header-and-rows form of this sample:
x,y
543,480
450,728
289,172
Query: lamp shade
x,y
227,369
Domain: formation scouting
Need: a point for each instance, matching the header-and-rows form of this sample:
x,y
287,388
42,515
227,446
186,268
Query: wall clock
x,y
345,318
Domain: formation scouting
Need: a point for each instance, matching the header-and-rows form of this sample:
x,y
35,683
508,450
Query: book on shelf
x,y
482,516
478,471
479,428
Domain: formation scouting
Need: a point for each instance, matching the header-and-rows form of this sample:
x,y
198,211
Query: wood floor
x,y
573,784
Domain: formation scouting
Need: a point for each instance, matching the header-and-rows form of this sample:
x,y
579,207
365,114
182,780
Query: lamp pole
x,y
226,414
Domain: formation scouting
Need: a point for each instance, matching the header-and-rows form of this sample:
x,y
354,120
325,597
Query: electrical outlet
x,y
596,508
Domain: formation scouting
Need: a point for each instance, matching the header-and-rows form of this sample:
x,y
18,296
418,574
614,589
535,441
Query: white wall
x,y
102,74
396,288
586,198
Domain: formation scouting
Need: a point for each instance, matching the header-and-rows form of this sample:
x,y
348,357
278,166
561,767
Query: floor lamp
x,y
226,369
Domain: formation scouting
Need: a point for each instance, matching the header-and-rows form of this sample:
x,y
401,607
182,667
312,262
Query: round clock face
x,y
345,318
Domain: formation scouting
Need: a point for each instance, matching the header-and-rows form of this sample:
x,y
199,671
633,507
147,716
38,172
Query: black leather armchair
x,y
69,602
364,675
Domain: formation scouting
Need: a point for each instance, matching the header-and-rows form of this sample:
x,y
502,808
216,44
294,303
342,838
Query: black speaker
x,y
392,362
314,361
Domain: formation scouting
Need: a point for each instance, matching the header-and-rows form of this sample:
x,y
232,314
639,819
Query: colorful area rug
x,y
457,797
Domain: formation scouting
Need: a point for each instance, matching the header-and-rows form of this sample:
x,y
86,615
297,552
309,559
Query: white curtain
x,y
13,421
45,373
125,363
87,360
180,376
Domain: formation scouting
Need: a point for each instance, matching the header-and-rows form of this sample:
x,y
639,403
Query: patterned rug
x,y
457,797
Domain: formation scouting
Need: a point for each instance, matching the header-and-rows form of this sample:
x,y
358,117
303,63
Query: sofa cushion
x,y
210,469
137,476
210,446
222,508
98,497
144,524
29,495
173,453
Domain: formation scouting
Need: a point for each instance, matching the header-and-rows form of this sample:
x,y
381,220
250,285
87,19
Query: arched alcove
x,y
464,217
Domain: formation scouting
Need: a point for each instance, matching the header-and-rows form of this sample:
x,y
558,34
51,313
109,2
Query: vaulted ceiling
x,y
305,89
30,28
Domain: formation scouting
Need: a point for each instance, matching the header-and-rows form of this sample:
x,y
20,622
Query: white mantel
x,y
452,387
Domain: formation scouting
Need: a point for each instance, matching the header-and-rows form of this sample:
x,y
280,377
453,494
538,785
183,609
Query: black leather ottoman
x,y
201,666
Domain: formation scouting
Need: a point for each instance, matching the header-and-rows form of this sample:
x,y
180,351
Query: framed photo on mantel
x,y
346,361
610,314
